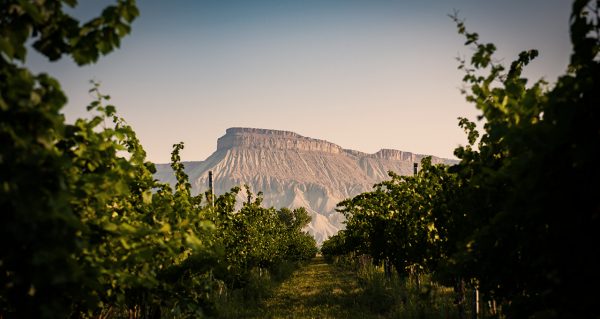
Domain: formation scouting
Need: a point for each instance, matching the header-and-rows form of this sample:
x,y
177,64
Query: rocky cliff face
x,y
292,170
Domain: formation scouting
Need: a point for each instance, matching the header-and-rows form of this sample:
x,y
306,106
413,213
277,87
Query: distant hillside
x,y
292,170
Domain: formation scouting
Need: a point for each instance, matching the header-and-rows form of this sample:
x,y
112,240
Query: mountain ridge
x,y
293,170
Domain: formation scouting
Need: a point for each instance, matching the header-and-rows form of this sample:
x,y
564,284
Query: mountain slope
x,y
292,170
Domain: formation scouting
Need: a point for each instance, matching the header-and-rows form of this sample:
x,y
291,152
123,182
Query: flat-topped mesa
x,y
273,139
397,155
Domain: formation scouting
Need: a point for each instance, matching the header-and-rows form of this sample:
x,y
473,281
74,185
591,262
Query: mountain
x,y
292,171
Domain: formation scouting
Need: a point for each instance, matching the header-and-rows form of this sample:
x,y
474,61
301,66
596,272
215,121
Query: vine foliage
x,y
85,229
516,217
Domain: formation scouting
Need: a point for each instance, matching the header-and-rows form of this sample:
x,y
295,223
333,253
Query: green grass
x,y
318,290
321,290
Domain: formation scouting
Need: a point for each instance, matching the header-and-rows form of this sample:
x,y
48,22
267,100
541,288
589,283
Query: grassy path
x,y
318,290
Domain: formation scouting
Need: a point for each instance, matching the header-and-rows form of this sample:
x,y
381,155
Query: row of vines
x,y
85,229
518,216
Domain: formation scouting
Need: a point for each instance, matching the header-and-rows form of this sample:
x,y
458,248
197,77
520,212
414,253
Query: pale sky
x,y
364,74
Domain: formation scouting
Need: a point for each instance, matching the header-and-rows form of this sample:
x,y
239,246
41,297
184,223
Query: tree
x,y
517,216
85,229
533,179
38,227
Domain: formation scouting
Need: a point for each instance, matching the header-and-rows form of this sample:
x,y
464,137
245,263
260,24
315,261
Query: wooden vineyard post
x,y
459,289
476,302
387,269
210,188
415,270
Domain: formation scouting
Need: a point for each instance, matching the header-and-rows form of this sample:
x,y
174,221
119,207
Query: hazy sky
x,y
364,74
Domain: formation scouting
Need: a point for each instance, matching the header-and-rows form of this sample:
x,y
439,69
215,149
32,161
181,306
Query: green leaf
x,y
193,241
147,197
110,227
6,48
165,228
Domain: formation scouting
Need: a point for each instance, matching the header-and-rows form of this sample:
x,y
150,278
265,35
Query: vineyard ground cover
x,y
323,290
318,290
242,303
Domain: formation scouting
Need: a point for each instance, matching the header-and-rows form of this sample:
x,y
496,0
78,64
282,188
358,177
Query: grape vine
x,y
85,230
516,217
